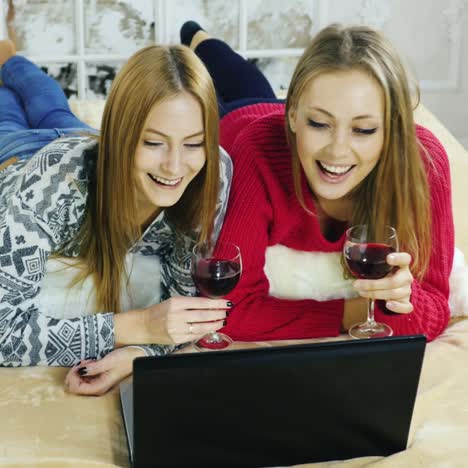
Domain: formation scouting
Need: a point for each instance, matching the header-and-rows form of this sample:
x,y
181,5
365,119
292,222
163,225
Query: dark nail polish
x,y
224,323
230,304
78,363
83,371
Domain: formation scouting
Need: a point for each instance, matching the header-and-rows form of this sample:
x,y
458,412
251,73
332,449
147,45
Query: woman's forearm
x,y
130,328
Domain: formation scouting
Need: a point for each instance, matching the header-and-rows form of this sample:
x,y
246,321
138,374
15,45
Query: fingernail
x,y
78,363
391,257
83,371
229,304
224,323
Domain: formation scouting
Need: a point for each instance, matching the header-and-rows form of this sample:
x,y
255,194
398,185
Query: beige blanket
x,y
43,426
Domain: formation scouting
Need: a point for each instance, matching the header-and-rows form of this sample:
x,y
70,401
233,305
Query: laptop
x,y
269,407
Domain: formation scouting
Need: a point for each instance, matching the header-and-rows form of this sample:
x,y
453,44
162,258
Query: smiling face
x,y
170,153
338,125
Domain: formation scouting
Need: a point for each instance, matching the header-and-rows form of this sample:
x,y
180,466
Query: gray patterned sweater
x,y
42,206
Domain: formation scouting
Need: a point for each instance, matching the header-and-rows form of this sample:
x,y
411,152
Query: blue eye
x,y
365,131
315,124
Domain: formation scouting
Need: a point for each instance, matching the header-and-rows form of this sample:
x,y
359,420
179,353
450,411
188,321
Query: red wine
x,y
368,261
206,343
216,278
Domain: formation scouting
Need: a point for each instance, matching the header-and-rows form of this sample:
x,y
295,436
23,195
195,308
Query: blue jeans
x,y
33,110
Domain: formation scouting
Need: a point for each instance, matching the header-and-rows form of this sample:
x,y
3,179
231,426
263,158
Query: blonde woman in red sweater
x,y
343,150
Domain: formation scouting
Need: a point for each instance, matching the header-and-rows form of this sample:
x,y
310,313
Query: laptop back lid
x,y
276,406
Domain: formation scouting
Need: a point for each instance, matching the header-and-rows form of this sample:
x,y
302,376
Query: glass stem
x,y
370,311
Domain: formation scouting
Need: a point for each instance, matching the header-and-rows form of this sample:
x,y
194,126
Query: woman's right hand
x,y
176,320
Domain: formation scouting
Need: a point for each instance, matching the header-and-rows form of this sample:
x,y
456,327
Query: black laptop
x,y
271,407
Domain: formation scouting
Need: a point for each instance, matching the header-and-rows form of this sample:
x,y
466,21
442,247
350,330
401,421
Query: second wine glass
x,y
365,253
215,276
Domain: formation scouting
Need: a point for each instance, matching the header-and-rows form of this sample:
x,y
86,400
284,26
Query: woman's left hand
x,y
93,377
394,289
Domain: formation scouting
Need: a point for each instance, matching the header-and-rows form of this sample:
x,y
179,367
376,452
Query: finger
x,y
96,386
197,303
400,307
73,383
400,259
95,367
398,294
401,278
206,327
199,316
74,371
195,331
82,362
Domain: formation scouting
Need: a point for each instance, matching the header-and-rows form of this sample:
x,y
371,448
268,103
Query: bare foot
x,y
199,37
7,50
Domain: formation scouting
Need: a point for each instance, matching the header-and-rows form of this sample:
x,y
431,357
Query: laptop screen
x,y
276,406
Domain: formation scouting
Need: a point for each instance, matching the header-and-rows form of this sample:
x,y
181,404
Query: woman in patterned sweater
x,y
116,206
343,151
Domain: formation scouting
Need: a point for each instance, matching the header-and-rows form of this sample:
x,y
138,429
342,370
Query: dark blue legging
x,y
238,83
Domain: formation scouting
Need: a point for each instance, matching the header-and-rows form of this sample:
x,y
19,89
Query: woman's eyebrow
x,y
152,130
358,117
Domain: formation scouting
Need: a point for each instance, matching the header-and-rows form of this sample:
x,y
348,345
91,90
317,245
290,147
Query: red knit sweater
x,y
264,211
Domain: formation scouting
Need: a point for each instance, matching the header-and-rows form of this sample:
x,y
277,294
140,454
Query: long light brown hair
x,y
396,192
110,228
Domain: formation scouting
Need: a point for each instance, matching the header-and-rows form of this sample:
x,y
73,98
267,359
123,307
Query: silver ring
x,y
190,330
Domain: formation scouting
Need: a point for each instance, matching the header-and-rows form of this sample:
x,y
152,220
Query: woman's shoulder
x,y
262,123
431,144
64,161
56,176
433,152
70,151
48,194
260,152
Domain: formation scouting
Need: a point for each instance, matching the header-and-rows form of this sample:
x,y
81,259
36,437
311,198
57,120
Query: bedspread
x,y
45,427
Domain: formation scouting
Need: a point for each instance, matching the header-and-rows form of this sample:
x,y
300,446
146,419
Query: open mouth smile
x,y
162,182
334,173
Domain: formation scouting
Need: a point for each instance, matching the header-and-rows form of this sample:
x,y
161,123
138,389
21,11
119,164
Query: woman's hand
x,y
175,321
92,377
394,289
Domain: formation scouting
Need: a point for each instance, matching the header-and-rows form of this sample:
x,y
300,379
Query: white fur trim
x,y
458,299
294,274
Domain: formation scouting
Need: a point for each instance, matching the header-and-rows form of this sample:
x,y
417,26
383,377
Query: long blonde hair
x,y
396,191
110,227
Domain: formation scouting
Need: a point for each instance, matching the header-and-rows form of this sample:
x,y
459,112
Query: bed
x,y
43,426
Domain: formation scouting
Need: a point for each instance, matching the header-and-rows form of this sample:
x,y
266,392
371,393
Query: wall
x,y
83,42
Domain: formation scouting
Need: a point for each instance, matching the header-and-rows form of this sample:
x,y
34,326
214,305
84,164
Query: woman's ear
x,y
292,116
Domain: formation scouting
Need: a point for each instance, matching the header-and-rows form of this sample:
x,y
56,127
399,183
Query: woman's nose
x,y
340,144
172,163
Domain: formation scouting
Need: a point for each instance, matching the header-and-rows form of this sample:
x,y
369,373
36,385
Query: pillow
x,y
89,111
458,157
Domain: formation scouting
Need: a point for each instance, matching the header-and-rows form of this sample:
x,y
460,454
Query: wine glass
x,y
215,277
365,254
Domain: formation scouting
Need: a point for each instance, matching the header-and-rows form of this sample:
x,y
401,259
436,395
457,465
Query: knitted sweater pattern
x,y
264,211
42,207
